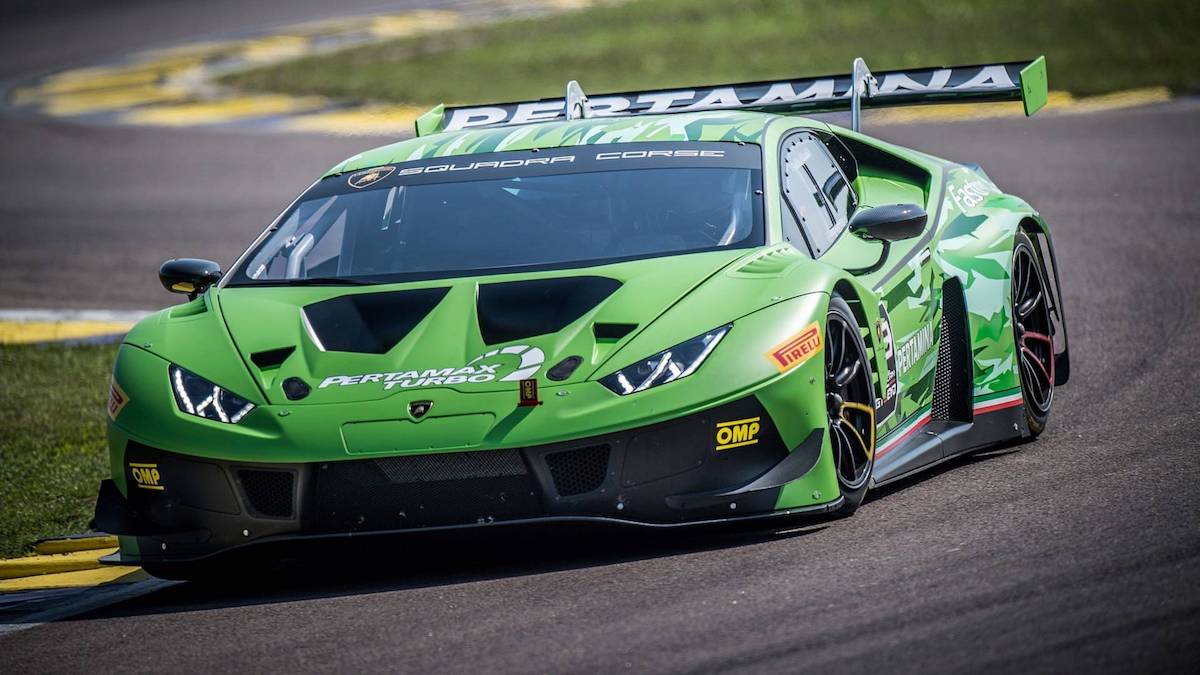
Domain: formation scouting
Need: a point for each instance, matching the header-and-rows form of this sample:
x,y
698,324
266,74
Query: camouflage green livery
x,y
951,282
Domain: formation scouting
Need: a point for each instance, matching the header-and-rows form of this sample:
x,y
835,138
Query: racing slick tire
x,y
1033,333
850,403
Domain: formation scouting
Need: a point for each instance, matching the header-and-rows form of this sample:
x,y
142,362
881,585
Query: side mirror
x,y
893,222
188,275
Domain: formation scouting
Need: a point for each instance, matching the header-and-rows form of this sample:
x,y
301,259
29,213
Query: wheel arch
x,y
1038,231
864,304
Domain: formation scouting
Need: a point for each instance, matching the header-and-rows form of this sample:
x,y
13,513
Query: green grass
x,y
1092,46
52,447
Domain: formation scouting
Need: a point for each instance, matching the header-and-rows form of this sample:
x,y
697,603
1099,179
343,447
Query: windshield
x,y
513,211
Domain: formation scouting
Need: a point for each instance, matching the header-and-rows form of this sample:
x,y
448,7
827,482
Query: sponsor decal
x,y
419,409
368,177
146,476
737,433
487,367
116,399
884,407
914,348
473,166
650,154
797,349
970,194
802,94
529,394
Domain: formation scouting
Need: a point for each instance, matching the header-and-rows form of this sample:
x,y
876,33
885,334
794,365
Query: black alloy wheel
x,y
1034,333
850,404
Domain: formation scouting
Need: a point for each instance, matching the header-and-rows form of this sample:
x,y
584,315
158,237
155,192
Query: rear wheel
x,y
850,403
1034,334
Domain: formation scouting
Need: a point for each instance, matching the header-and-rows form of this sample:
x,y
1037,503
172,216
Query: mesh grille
x,y
578,471
941,381
269,493
424,491
451,466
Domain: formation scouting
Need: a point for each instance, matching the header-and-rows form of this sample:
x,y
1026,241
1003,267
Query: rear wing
x,y
1016,81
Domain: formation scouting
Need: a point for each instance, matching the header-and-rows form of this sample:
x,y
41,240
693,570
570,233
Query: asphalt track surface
x,y
1078,552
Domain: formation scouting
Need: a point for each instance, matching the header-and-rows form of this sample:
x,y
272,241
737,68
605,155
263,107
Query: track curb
x,y
176,87
68,326
70,561
37,565
72,543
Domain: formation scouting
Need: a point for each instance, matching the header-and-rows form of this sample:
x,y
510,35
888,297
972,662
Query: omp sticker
x,y
116,399
796,349
736,433
529,393
146,476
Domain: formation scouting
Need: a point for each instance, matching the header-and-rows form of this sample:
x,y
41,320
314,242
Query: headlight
x,y
666,366
197,396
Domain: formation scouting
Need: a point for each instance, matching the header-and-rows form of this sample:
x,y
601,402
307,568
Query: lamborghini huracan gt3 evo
x,y
656,308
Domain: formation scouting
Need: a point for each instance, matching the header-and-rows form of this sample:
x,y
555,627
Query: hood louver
x,y
522,309
370,323
770,263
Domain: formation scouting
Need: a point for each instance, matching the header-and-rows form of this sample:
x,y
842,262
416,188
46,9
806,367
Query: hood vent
x,y
370,323
521,309
612,331
271,358
773,262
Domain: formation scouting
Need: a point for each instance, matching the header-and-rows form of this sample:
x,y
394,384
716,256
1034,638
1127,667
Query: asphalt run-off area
x,y
1078,552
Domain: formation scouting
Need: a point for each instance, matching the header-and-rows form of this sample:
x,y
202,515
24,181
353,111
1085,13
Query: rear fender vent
x,y
272,358
578,471
952,381
268,493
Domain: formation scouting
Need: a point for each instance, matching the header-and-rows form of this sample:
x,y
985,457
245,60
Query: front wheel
x,y
850,403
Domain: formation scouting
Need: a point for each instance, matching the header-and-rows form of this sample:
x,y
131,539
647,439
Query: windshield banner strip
x,y
552,161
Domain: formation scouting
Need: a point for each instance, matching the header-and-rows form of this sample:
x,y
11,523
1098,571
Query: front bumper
x,y
726,462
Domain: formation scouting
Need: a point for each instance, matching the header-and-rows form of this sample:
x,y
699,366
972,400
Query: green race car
x,y
654,308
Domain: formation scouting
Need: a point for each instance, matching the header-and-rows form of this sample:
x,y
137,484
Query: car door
x,y
819,199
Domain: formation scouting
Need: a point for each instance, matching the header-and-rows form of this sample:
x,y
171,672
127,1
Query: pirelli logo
x,y
116,399
737,433
796,349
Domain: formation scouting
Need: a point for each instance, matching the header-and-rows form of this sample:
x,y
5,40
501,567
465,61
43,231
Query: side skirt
x,y
924,443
